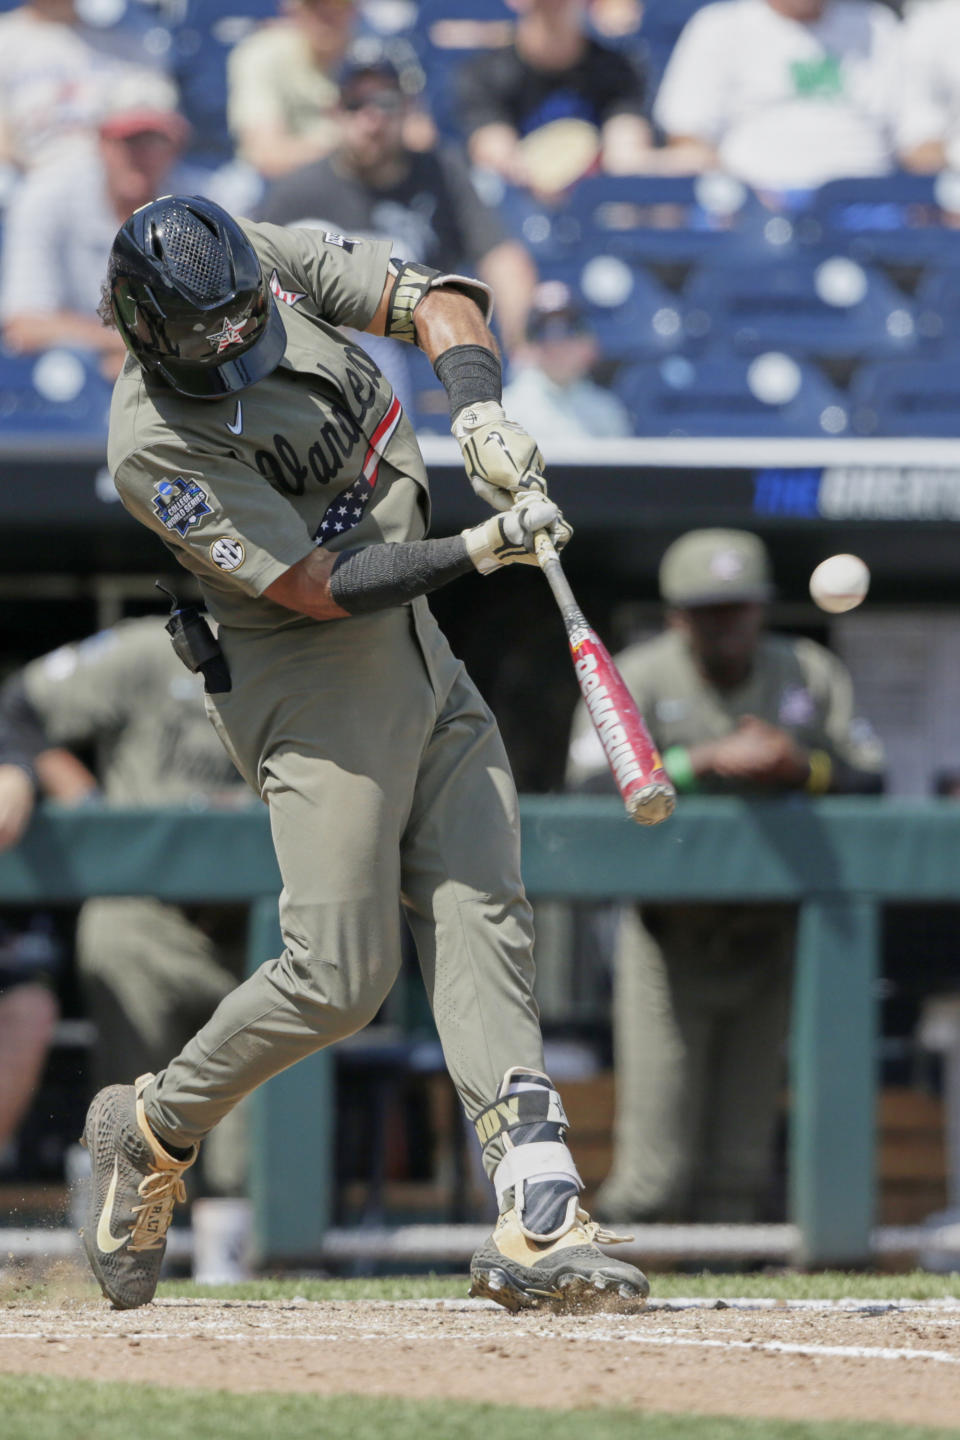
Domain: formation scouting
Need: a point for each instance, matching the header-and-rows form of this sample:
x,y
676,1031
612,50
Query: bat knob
x,y
652,803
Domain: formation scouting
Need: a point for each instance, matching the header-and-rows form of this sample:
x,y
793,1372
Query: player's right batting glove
x,y
508,538
499,456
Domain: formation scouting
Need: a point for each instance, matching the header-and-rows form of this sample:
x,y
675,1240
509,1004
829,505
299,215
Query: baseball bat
x,y
632,756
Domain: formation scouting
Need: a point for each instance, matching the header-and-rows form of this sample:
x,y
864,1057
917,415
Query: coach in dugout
x,y
702,993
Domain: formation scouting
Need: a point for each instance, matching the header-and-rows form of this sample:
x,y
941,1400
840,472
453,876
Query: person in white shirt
x,y
62,219
786,94
55,73
929,132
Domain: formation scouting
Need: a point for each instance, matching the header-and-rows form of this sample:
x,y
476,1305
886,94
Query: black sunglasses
x,y
386,100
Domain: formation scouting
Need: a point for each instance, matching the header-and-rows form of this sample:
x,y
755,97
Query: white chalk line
x,y
589,1334
783,1347
946,1307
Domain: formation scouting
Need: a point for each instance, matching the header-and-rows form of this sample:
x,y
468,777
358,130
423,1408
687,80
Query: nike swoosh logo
x,y
106,1241
237,425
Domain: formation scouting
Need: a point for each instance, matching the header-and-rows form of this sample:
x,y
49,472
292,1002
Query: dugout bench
x,y
840,859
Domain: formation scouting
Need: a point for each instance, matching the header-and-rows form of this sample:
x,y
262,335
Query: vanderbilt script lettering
x,y
340,433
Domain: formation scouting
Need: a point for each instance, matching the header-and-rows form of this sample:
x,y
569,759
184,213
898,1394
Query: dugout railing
x,y
839,859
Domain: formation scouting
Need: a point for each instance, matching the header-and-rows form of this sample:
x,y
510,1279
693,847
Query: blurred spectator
x,y
375,186
28,1017
615,18
555,104
702,993
785,94
929,133
30,953
282,92
551,391
151,972
55,72
62,220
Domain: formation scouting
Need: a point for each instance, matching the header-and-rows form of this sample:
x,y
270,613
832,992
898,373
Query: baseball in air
x,y
840,583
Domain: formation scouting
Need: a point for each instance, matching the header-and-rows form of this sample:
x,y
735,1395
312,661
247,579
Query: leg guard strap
x,y
526,1098
537,1176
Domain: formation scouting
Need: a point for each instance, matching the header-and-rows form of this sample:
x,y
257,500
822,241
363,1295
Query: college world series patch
x,y
227,553
180,503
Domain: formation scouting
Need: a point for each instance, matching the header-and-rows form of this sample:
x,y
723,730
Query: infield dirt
x,y
866,1361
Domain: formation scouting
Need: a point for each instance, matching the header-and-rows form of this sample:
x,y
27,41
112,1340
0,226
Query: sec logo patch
x,y
227,553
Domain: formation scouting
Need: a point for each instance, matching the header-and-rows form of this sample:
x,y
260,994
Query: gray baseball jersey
x,y
126,690
244,487
795,684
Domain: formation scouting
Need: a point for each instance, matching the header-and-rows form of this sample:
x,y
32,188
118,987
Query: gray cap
x,y
715,567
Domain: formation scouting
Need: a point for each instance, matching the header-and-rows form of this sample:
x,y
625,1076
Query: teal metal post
x,y
291,1151
833,1080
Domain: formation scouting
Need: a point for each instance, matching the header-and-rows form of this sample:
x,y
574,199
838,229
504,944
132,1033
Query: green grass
x,y
40,1408
74,1284
828,1285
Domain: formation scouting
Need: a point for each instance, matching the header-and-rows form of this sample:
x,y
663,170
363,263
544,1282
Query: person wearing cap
x,y
61,222
56,66
374,185
701,993
551,387
282,88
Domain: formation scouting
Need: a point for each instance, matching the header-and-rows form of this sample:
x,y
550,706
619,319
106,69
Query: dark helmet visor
x,y
210,381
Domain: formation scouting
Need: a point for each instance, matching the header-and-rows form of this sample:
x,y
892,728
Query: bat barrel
x,y
635,764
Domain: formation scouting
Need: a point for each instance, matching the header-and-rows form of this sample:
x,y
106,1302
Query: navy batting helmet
x,y
190,300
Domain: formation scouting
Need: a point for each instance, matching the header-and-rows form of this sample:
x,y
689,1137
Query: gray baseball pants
x,y
701,1015
388,787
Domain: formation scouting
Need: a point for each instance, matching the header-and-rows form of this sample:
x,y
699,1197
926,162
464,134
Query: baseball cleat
x,y
134,1185
567,1274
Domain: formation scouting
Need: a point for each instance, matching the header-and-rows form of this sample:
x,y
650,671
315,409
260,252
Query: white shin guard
x,y
537,1170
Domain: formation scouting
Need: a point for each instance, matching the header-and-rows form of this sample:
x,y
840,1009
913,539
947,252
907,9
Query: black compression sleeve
x,y
383,575
21,729
469,374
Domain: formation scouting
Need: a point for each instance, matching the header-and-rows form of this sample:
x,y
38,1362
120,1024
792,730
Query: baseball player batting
x,y
267,450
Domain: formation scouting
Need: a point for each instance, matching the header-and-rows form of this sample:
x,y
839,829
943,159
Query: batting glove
x,y
500,457
508,538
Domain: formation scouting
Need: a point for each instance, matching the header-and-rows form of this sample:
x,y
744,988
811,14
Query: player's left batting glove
x,y
508,539
500,457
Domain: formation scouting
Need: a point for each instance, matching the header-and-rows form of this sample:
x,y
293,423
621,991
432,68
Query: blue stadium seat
x,y
649,220
631,314
664,19
56,393
907,398
660,29
889,219
673,219
428,408
937,304
552,233
202,40
770,396
833,308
